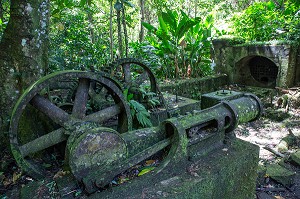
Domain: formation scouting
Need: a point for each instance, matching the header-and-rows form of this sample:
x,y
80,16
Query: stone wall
x,y
234,60
193,88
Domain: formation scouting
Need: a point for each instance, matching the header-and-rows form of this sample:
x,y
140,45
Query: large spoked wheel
x,y
134,73
45,116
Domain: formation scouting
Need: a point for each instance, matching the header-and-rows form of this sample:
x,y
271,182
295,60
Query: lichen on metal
x,y
40,96
88,114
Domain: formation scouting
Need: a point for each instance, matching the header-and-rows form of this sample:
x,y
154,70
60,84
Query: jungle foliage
x,y
271,20
172,36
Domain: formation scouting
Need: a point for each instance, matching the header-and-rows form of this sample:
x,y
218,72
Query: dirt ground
x,y
281,119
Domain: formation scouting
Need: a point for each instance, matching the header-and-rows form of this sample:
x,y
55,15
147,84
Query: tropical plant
x,y
147,53
138,110
75,47
171,33
121,19
4,15
198,45
181,41
264,21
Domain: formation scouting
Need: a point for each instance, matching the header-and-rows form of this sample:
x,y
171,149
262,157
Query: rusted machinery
x,y
82,122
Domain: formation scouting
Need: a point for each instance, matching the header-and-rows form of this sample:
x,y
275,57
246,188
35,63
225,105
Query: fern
x,y
139,112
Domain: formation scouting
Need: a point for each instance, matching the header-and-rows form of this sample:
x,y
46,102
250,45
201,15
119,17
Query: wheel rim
x,y
130,65
39,98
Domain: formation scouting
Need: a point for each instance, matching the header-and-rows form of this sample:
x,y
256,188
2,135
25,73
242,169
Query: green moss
x,y
230,39
220,174
273,43
192,88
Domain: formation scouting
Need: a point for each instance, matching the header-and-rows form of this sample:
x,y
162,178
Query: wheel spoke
x,y
81,98
43,142
104,114
141,79
127,72
94,95
55,113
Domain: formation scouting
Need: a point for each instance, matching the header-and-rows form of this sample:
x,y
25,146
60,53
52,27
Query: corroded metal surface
x,y
130,65
189,137
95,148
134,76
94,120
48,96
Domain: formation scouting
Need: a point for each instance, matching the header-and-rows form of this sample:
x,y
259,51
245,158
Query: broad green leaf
x,y
209,21
162,24
82,3
170,19
128,3
149,27
125,93
146,170
56,12
207,61
130,96
69,3
183,28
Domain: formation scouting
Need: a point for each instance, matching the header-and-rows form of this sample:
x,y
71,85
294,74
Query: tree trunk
x,y
92,33
23,53
111,31
1,11
91,26
196,8
125,30
120,42
141,35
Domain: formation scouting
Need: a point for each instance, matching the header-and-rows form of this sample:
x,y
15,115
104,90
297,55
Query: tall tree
x,y
1,11
23,52
111,30
125,30
118,6
142,34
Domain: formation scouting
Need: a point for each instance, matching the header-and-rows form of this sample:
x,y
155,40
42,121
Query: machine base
x,y
228,173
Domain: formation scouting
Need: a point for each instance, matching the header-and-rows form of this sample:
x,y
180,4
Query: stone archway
x,y
257,71
263,65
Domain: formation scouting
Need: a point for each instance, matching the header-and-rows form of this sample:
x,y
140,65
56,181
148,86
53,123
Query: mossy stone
x,y
280,174
295,157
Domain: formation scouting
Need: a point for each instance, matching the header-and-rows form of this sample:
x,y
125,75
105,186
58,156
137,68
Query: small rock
x,y
295,157
280,174
283,146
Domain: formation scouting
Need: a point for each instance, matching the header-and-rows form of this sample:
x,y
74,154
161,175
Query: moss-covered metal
x,y
65,122
225,174
190,137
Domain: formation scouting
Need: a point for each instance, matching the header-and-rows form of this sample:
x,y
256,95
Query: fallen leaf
x,y
146,170
16,176
60,174
7,182
150,162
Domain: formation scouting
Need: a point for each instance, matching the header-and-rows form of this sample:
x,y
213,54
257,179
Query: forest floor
x,y
281,120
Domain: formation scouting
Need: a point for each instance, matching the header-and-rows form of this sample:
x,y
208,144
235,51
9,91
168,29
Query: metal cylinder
x,y
224,116
200,129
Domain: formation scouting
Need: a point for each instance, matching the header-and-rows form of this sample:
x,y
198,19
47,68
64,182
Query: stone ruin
x,y
84,118
263,65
